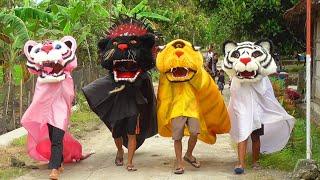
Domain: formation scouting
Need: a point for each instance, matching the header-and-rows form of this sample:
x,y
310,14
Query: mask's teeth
x,y
171,70
41,63
56,61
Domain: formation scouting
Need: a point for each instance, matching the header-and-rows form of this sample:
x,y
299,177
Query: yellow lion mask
x,y
186,89
179,61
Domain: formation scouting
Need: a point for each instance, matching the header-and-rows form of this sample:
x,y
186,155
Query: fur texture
x,y
50,58
127,51
249,61
186,89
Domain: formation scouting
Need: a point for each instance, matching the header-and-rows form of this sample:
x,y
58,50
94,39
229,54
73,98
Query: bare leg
x,y
132,145
242,149
191,144
119,143
255,148
178,151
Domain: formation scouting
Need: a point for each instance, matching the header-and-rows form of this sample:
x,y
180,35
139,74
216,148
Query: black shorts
x,y
125,126
259,132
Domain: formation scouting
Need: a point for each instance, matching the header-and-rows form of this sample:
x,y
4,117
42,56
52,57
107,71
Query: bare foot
x,y
130,168
119,158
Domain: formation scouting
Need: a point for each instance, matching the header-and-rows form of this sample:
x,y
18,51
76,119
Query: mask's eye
x,y
58,46
178,44
257,54
115,43
235,54
37,50
133,42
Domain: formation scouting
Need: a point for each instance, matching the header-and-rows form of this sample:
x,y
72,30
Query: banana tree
x,y
13,35
141,10
74,20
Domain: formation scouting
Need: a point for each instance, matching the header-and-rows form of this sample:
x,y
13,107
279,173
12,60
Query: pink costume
x,y
53,96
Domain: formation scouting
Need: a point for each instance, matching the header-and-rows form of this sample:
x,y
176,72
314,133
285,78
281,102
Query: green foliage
x,y
241,20
155,75
141,10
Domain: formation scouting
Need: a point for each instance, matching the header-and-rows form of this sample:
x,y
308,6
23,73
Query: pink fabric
x,y
51,104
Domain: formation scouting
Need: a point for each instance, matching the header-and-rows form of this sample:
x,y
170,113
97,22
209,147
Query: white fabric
x,y
253,104
209,56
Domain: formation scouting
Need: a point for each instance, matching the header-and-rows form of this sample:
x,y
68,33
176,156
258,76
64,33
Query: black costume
x,y
124,99
137,99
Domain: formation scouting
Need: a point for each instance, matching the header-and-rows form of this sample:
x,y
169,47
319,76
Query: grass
x,y
295,149
17,150
20,141
82,122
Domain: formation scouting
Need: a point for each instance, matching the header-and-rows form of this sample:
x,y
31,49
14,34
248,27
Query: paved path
x,y
155,160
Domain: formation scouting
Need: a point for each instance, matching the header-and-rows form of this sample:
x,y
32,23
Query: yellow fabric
x,y
195,95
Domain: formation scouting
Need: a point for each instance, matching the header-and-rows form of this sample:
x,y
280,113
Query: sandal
x,y
239,170
194,162
179,171
119,160
131,168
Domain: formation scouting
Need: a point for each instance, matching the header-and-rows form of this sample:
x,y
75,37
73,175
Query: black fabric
x,y
56,138
259,132
127,125
136,98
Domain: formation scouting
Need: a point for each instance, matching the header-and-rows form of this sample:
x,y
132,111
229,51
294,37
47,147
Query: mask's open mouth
x,y
247,74
180,74
126,70
49,68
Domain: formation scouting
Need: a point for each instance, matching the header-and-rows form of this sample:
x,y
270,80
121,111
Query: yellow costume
x,y
186,89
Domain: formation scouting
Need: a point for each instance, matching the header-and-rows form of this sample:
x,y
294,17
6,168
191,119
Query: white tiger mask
x,y
50,58
248,61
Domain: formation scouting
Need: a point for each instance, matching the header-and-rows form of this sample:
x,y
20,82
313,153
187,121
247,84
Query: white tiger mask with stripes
x,y
50,58
248,61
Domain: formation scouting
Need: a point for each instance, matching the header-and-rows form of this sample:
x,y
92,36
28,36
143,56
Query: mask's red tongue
x,y
48,69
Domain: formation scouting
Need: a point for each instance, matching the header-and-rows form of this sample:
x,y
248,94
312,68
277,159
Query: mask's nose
x,y
47,48
123,47
245,60
179,53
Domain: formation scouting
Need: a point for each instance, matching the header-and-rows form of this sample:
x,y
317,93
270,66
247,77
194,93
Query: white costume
x,y
252,102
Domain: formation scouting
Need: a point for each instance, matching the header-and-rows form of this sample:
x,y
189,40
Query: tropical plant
x,y
140,10
13,35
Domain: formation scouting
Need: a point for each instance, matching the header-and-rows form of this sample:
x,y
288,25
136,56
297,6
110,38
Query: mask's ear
x,y
102,44
148,40
266,44
228,46
27,48
70,42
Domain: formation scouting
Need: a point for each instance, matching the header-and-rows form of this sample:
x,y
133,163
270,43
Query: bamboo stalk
x,y
8,94
21,99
